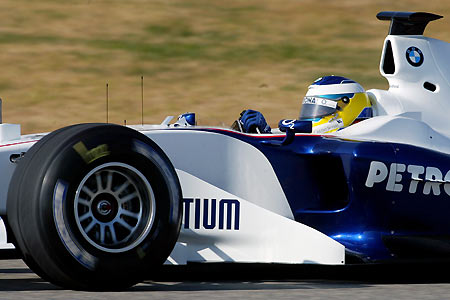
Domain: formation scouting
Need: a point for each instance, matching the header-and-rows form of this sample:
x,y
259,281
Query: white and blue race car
x,y
99,206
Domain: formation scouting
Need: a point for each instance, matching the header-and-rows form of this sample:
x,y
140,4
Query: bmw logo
x,y
414,56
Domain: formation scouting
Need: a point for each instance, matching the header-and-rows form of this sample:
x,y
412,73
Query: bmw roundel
x,y
414,56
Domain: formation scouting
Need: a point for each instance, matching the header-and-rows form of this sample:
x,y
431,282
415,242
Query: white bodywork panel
x,y
406,85
406,128
9,132
230,169
262,236
7,148
409,113
3,238
227,163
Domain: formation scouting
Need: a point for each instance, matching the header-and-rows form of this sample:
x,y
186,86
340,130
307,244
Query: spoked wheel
x,y
95,206
110,210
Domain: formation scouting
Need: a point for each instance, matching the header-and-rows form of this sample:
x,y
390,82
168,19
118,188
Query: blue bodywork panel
x,y
389,216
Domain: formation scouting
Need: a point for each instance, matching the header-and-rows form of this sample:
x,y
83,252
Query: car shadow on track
x,y
26,284
15,276
215,277
320,276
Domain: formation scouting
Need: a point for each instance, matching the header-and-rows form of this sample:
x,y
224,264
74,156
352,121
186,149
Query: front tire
x,y
95,206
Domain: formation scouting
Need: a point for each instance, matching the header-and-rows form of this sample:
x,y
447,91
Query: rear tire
x,y
95,206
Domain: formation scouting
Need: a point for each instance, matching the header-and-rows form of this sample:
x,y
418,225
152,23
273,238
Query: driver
x,y
331,103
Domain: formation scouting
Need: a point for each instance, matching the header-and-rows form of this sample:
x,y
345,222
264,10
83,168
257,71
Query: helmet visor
x,y
316,107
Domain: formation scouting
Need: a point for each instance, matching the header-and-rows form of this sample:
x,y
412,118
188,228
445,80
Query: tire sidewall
x,y
63,239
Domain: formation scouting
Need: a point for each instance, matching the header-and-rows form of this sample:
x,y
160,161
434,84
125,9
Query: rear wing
x,y
407,23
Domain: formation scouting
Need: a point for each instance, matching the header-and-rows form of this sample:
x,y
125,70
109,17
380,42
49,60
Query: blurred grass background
x,y
211,57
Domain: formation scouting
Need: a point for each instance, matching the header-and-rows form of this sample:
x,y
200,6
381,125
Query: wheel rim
x,y
114,207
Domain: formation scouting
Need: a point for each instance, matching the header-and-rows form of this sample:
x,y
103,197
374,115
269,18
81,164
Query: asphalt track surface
x,y
425,281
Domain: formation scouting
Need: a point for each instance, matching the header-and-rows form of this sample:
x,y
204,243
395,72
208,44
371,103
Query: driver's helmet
x,y
334,102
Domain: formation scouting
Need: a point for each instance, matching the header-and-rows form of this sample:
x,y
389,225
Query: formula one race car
x,y
98,206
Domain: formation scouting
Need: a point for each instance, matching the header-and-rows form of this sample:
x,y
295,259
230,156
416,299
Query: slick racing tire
x,y
95,207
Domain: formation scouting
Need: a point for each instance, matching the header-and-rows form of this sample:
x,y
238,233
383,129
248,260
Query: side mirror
x,y
291,127
296,126
185,120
